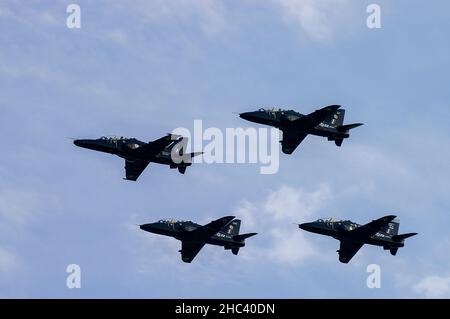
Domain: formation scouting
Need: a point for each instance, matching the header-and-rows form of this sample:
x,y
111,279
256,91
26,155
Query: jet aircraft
x,y
138,154
221,232
381,232
327,122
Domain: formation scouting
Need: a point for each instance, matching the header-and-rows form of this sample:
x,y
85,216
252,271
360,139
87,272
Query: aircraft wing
x,y
189,250
164,141
348,249
370,229
212,228
158,145
291,141
315,118
133,169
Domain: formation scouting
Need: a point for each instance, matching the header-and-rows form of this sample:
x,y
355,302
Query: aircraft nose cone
x,y
305,226
146,227
246,116
79,143
151,227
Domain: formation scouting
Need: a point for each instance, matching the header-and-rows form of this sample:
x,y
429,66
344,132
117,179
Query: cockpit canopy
x,y
170,221
331,222
273,109
328,220
113,138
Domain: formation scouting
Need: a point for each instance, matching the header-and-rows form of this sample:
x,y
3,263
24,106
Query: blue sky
x,y
145,69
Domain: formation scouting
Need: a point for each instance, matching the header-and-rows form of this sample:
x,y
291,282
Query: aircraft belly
x,y
382,242
218,241
162,160
325,132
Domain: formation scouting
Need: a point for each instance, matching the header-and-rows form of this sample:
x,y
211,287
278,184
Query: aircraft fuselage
x,y
342,231
182,231
127,148
283,120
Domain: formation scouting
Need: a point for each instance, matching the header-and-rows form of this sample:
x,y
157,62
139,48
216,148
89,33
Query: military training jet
x,y
381,232
327,122
221,232
138,154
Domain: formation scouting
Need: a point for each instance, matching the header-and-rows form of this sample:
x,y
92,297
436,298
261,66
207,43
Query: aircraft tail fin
x,y
235,250
392,227
402,237
336,119
243,236
233,227
348,127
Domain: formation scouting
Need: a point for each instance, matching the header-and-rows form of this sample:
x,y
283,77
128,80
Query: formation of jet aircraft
x,y
380,232
326,122
138,154
221,232
169,150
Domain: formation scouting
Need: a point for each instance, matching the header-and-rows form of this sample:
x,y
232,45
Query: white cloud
x,y
274,219
289,203
209,15
289,246
18,207
318,19
433,286
117,36
246,211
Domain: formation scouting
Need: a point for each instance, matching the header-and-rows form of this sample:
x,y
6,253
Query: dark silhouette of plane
x,y
381,232
221,232
327,122
166,150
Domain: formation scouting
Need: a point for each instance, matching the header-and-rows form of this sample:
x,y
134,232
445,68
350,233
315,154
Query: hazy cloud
x,y
318,19
434,286
274,219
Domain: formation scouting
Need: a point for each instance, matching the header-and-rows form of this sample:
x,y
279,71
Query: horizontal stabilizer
x,y
345,128
195,154
243,236
402,237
